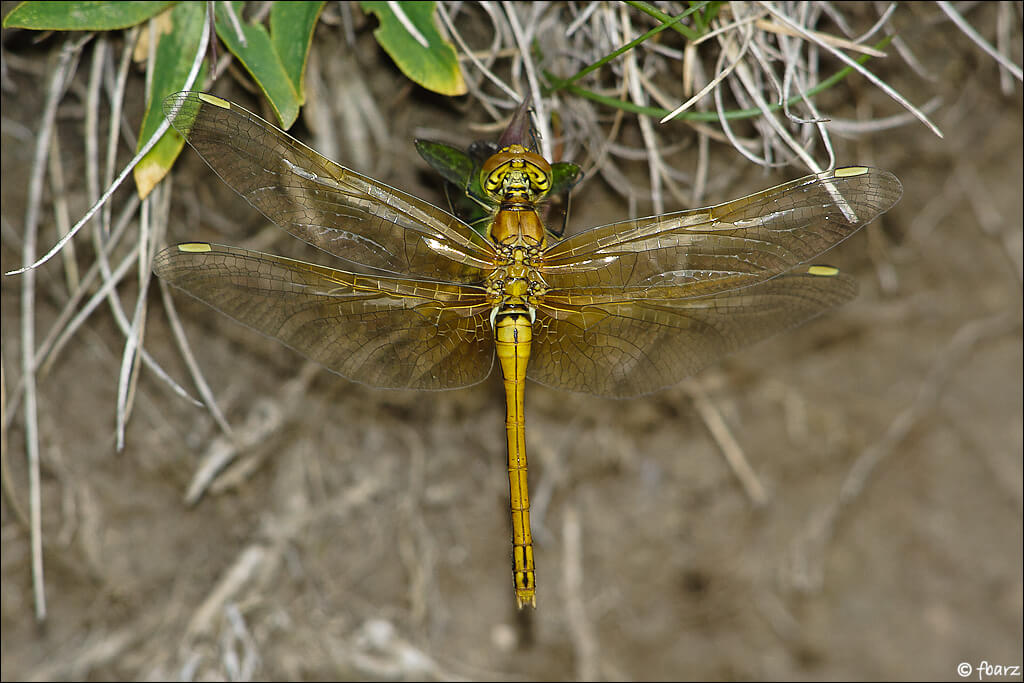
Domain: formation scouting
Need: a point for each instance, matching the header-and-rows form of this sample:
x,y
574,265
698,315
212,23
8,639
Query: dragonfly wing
x,y
346,214
736,244
385,332
634,347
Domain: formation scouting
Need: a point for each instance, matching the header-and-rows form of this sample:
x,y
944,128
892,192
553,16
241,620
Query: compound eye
x,y
492,181
494,170
538,170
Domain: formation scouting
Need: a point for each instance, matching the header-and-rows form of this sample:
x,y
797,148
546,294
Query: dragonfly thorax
x,y
516,284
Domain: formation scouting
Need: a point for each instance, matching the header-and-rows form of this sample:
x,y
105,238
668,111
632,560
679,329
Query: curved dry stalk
x,y
487,72
190,81
114,122
62,215
962,24
879,83
824,38
727,443
636,94
72,317
541,119
155,210
852,127
92,119
721,75
185,349
581,629
58,79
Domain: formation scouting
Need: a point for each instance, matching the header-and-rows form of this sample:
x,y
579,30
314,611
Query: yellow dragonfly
x,y
618,310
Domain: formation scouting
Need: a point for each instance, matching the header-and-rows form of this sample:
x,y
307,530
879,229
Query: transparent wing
x,y
385,332
736,244
346,214
635,347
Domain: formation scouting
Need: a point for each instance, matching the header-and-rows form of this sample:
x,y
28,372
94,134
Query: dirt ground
x,y
363,533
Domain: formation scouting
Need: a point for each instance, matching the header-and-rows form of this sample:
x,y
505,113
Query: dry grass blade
x,y
1007,22
62,214
155,210
721,75
632,77
484,69
969,31
92,122
58,79
133,341
96,207
851,127
753,91
849,62
585,644
824,38
72,316
101,202
523,42
115,131
185,349
6,478
727,443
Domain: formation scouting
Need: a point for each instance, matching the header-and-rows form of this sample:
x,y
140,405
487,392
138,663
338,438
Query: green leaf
x,y
433,65
462,175
179,34
82,16
291,31
261,60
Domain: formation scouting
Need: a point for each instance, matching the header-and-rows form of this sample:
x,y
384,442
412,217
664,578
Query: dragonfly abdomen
x,y
516,179
513,334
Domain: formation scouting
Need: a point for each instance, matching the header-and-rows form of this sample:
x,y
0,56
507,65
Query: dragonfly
x,y
461,171
427,302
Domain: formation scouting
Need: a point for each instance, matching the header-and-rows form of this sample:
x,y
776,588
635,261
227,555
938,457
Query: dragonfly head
x,y
514,172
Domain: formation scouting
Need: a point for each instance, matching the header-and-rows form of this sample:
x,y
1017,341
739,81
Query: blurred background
x,y
344,532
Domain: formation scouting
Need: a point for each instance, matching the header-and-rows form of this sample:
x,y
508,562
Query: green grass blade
x,y
556,84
